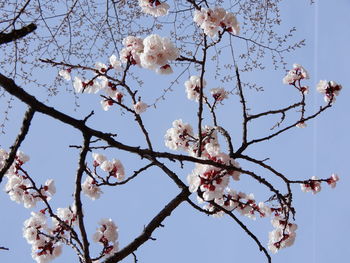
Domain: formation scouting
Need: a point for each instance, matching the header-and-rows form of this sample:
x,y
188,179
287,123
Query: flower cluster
x,y
283,235
46,240
210,181
153,52
211,20
91,189
44,248
193,86
19,185
314,184
140,107
296,74
157,53
114,168
330,89
241,202
107,235
219,94
179,136
154,7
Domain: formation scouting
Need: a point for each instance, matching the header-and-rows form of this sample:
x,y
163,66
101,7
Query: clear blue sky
x,y
320,149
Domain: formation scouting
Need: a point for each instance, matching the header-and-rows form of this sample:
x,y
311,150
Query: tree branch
x,y
28,116
17,33
77,198
147,232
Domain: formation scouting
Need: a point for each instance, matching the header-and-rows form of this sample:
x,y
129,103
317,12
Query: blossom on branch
x,y
312,185
107,235
283,235
211,20
330,89
140,107
296,74
179,136
154,7
193,86
90,188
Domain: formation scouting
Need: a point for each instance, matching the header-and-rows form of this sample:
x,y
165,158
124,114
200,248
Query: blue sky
x,y
320,149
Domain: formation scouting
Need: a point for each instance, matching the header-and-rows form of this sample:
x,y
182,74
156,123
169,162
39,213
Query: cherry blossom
x,y
313,185
90,188
131,52
115,168
140,107
107,234
330,89
37,233
193,86
211,20
157,53
301,124
115,63
332,181
154,7
296,74
65,73
98,158
179,136
219,94
282,236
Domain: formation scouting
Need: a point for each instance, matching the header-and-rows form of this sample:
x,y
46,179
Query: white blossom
x,y
212,20
90,188
115,168
154,8
179,136
98,158
115,63
219,94
330,89
140,107
64,73
332,181
312,185
193,86
297,73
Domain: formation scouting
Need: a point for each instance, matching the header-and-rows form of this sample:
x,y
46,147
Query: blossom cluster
x,y
193,87
209,180
154,7
47,240
314,185
114,168
283,235
19,185
296,74
330,89
211,20
107,235
154,52
241,202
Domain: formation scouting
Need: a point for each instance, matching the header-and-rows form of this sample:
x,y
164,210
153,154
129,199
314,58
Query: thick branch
x,y
16,34
147,232
77,198
28,116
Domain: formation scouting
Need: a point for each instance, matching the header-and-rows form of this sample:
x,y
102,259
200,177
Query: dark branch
x,y
16,34
28,116
77,198
147,232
